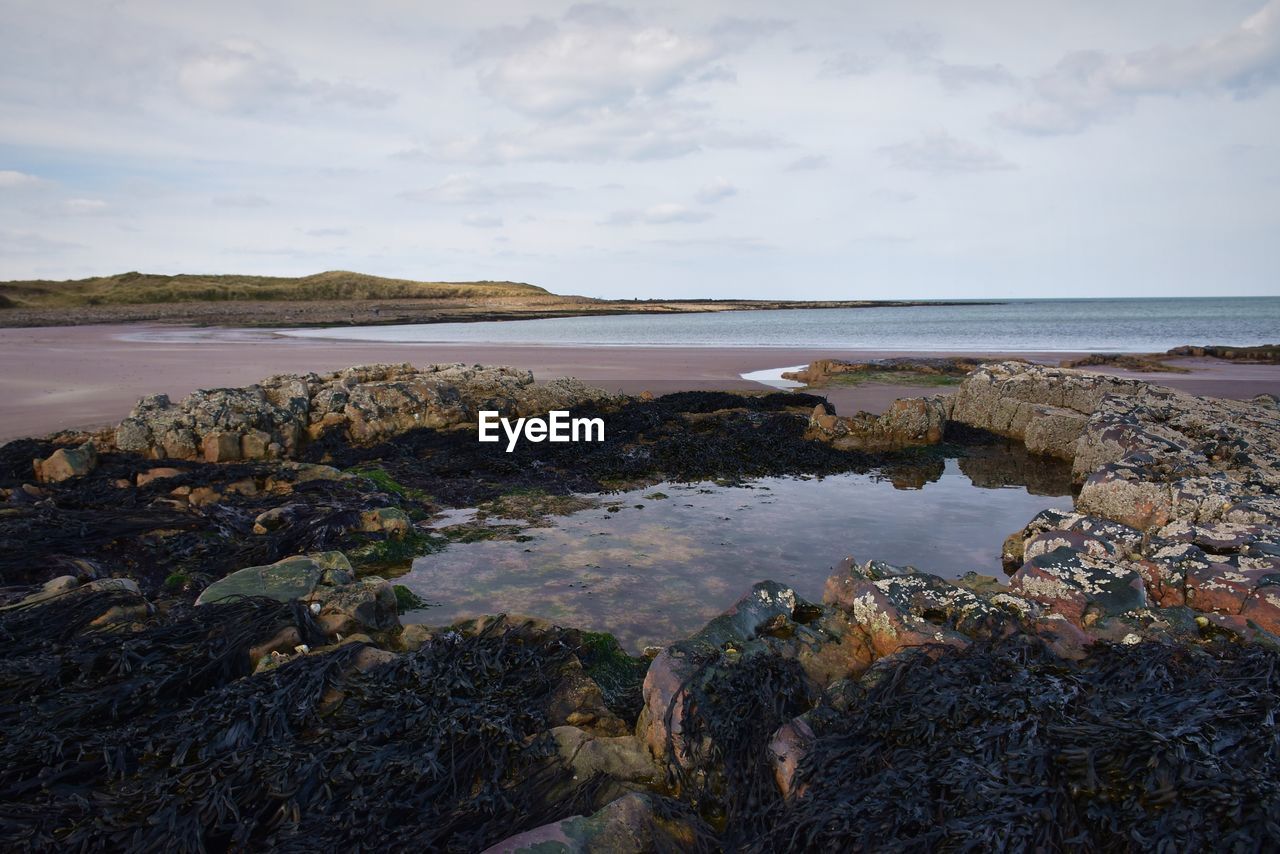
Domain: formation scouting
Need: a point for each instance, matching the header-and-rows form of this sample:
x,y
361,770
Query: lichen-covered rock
x,y
367,404
1079,586
1052,405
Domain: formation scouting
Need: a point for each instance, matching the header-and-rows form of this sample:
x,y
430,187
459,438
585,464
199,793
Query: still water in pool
x,y
651,569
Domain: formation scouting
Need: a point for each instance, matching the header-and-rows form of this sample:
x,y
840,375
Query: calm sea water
x,y
1118,325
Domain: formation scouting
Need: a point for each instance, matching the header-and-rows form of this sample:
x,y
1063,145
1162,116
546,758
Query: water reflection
x,y
651,568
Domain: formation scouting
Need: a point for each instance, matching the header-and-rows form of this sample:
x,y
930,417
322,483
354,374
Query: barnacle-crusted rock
x,y
1079,586
367,403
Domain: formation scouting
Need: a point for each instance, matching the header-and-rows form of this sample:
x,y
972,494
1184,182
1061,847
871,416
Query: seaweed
x,y
730,708
1140,747
162,739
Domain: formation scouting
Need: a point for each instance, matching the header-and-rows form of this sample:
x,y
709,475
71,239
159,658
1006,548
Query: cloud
x,y
84,207
470,190
241,200
940,153
10,179
592,57
601,83
242,76
1086,87
663,214
642,133
955,78
483,221
717,191
809,163
847,65
326,232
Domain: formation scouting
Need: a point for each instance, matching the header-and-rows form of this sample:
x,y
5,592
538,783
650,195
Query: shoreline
x,y
87,377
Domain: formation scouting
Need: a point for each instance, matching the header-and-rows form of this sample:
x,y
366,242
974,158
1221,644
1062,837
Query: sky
x,y
834,150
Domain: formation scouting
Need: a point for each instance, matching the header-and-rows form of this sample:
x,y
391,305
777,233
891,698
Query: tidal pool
x,y
653,565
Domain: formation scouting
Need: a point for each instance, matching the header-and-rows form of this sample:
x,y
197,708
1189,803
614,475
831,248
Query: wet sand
x,y
55,378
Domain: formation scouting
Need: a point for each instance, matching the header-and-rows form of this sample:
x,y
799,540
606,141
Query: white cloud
x,y
483,221
241,200
598,56
240,75
1091,86
663,214
470,190
717,191
10,179
809,163
82,207
941,153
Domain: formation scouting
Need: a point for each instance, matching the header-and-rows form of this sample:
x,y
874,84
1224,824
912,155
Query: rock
x,y
277,518
293,577
789,745
366,403
578,700
622,758
386,520
910,422
370,603
160,473
66,463
630,825
1078,586
221,447
413,637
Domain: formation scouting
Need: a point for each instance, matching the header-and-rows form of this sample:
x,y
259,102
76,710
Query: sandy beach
x,y
56,378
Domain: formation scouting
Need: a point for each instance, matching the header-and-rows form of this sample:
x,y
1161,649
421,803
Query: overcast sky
x,y
768,149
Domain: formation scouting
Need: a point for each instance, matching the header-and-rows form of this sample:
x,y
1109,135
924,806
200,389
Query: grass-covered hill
x,y
147,288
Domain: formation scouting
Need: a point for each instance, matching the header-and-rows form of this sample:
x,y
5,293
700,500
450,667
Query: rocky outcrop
x,y
820,372
910,422
1045,408
275,418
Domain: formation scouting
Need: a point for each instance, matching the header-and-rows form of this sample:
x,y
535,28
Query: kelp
x,y
1006,747
730,708
161,739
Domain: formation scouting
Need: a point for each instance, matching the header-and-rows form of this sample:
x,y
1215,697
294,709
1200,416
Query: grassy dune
x,y
146,288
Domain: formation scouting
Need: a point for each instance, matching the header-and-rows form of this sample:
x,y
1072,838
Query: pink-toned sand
x,y
89,376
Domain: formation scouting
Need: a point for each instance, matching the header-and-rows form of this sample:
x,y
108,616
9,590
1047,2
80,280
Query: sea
x,y
1075,325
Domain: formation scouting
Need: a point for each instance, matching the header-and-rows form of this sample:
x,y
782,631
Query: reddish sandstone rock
x,y
1078,586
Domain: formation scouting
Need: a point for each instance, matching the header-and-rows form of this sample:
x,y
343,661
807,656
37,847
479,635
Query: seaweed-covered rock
x,y
293,577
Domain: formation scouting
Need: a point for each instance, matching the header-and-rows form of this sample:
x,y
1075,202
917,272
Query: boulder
x,y
295,577
66,463
369,603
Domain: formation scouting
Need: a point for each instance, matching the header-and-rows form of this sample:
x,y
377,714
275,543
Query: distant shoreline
x,y
256,314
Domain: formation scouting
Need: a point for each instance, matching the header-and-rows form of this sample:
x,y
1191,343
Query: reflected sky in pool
x,y
654,570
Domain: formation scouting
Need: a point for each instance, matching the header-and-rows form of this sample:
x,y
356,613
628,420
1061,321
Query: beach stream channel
x,y
653,565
